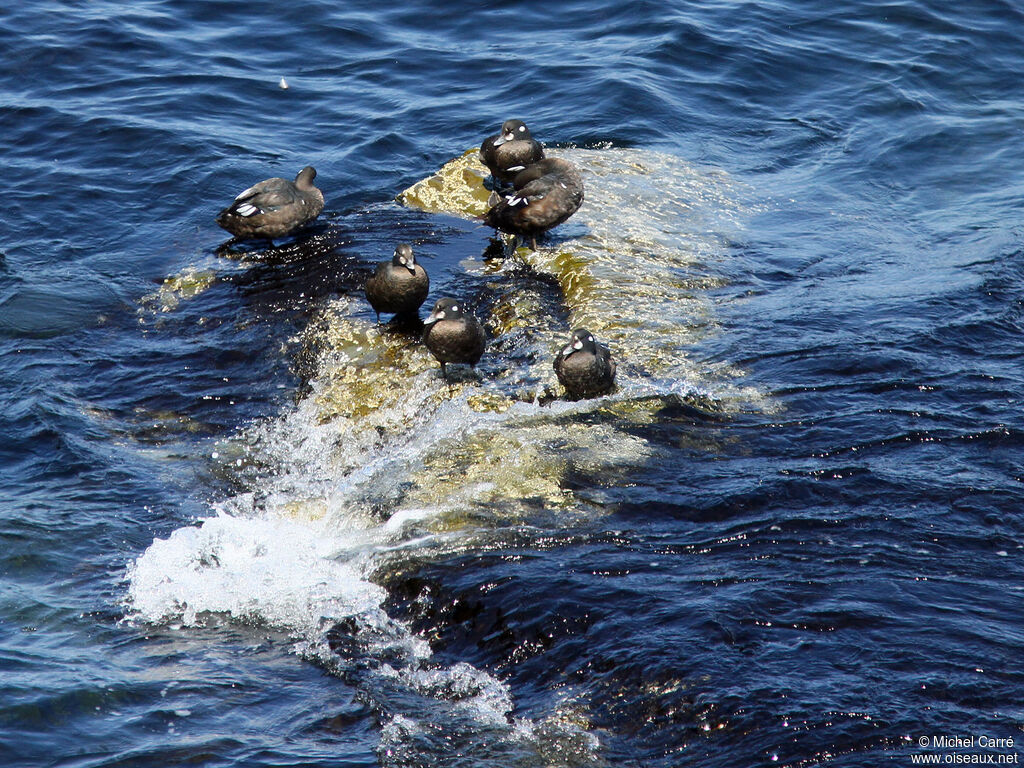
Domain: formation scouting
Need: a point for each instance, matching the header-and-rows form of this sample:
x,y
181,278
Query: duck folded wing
x,y
535,190
609,364
264,198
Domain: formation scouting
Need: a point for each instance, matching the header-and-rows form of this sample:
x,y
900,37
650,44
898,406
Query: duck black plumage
x,y
453,335
273,208
510,150
398,286
546,194
584,367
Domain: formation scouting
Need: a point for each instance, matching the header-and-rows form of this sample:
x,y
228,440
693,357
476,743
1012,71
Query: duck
x,y
584,367
399,285
510,150
545,194
453,335
274,207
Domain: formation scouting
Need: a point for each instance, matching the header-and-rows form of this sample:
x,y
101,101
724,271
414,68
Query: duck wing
x,y
606,355
535,189
265,197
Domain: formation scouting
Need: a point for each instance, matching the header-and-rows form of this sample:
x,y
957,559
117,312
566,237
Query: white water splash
x,y
273,571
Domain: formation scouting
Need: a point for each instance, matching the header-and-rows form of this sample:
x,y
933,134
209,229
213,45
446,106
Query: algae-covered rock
x,y
190,283
391,437
366,371
493,402
457,188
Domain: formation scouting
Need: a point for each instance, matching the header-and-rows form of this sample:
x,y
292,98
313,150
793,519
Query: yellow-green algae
x,y
457,188
190,283
389,434
491,466
367,372
519,463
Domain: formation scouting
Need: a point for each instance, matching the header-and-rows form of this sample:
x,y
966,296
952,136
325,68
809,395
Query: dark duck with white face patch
x,y
584,367
453,336
398,286
510,150
545,194
273,208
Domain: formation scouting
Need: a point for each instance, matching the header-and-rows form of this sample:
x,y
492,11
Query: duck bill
x,y
576,346
433,317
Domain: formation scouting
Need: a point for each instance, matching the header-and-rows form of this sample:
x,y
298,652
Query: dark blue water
x,y
793,538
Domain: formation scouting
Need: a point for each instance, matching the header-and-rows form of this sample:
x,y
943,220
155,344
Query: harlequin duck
x,y
273,208
584,367
398,286
546,194
452,335
510,151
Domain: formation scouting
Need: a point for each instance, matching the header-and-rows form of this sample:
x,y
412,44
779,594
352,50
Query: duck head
x,y
582,341
445,309
512,130
305,177
403,257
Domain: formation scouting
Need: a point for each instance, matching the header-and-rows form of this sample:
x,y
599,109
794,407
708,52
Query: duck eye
x,y
522,128
455,308
590,338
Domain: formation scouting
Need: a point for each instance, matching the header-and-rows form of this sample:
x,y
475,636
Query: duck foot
x,y
408,323
495,250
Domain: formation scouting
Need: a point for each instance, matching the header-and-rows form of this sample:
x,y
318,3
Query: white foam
x,y
488,700
255,569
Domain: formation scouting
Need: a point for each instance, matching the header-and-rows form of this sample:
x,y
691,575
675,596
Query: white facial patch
x,y
566,351
522,128
577,344
454,309
590,338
